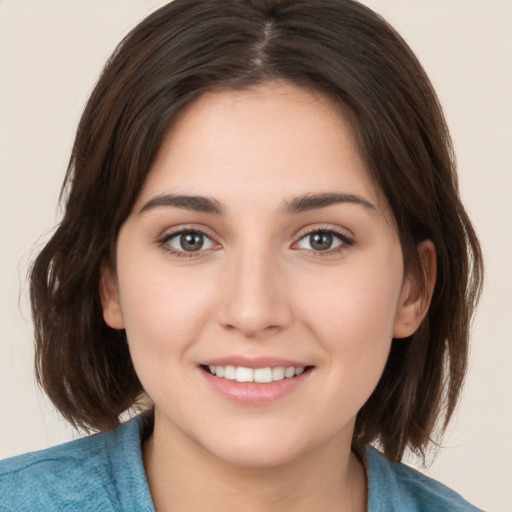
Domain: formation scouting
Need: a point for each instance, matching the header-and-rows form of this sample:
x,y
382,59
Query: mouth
x,y
265,375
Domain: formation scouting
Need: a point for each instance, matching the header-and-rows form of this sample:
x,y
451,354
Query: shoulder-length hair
x,y
188,47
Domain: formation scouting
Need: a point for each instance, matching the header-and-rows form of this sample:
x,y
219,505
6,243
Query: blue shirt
x,y
105,472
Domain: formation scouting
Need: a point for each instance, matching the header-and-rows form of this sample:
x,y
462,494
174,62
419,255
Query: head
x,y
337,50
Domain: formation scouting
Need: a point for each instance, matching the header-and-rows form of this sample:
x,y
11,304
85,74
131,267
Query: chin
x,y
257,457
258,448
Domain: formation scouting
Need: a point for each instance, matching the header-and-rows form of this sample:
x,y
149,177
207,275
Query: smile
x,y
258,375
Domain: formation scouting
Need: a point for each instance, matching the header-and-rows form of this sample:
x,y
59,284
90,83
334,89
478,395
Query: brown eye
x,y
321,241
190,241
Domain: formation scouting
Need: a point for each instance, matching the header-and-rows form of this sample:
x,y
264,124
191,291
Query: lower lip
x,y
252,393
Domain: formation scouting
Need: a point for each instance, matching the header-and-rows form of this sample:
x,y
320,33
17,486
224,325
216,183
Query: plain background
x,y
51,52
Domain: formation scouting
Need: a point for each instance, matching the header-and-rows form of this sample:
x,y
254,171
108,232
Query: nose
x,y
255,300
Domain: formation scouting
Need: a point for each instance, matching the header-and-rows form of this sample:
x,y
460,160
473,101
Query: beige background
x,y
51,52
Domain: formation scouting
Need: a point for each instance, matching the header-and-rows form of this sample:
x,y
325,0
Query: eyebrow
x,y
310,202
304,203
193,203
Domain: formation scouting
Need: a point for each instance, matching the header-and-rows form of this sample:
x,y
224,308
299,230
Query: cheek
x,y
353,323
353,314
164,314
163,308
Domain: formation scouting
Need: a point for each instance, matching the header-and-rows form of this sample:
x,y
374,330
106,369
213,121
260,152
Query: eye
x,y
189,241
322,241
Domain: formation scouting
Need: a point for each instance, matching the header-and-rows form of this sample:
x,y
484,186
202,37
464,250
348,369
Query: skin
x,y
258,288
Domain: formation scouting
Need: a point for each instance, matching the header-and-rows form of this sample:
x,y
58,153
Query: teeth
x,y
263,375
289,372
244,374
259,375
230,372
278,373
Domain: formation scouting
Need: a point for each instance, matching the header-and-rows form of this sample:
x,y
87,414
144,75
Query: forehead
x,y
268,141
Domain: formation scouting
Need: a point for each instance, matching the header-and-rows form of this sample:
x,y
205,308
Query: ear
x,y
416,293
109,296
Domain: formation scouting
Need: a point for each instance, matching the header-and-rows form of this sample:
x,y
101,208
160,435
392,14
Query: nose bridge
x,y
254,302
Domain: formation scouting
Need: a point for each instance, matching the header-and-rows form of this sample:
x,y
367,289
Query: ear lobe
x,y
109,297
416,293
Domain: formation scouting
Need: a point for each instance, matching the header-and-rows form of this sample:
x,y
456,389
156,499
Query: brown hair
x,y
188,47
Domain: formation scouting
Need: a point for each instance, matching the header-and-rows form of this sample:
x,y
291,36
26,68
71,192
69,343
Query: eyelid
x,y
346,240
163,241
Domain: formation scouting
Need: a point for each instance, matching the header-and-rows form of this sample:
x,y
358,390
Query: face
x,y
259,277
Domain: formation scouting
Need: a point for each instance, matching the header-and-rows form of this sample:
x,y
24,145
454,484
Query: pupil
x,y
321,241
191,241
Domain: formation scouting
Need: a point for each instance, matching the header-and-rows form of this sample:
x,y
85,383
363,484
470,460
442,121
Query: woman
x,y
263,242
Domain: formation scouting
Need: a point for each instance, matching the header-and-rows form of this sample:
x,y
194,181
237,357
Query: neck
x,y
183,476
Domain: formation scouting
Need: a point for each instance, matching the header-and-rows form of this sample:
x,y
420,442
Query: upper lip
x,y
254,362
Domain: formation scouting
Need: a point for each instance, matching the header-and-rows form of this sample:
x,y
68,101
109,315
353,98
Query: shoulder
x,y
80,475
70,473
397,487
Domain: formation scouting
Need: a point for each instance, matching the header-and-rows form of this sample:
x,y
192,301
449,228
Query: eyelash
x,y
346,242
164,243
